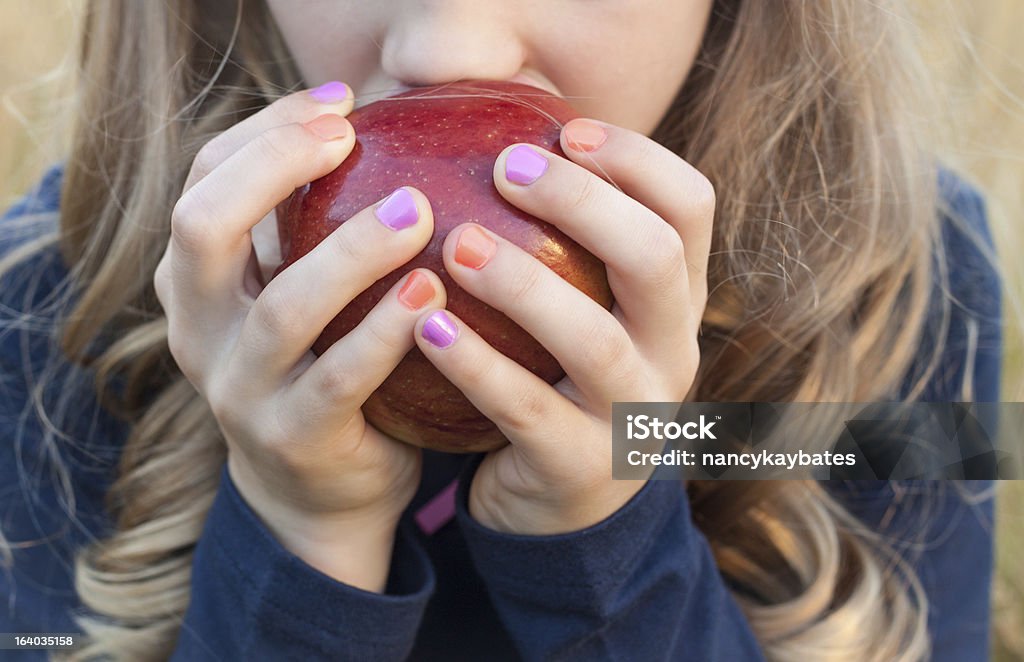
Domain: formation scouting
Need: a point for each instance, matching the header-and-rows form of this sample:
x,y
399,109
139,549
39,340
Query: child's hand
x,y
329,486
654,237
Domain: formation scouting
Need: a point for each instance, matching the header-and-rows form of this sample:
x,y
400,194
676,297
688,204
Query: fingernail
x,y
398,210
585,135
332,92
474,248
328,127
439,330
524,166
417,291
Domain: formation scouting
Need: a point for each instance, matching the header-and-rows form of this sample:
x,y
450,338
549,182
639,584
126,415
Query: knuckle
x,y
269,147
161,284
296,146
378,332
346,247
191,222
476,373
282,110
334,384
527,410
663,254
250,419
208,158
585,194
523,284
606,352
225,408
277,314
296,106
704,198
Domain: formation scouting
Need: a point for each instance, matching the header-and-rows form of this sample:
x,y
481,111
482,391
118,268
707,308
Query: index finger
x,y
655,176
211,248
297,108
644,255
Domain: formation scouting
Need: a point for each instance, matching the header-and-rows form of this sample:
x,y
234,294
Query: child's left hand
x,y
654,236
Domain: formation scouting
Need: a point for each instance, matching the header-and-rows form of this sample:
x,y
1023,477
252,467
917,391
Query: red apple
x,y
443,140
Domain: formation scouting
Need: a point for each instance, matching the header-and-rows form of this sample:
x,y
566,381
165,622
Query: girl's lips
x,y
535,82
525,79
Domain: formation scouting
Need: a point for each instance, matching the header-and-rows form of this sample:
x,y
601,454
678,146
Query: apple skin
x,y
443,140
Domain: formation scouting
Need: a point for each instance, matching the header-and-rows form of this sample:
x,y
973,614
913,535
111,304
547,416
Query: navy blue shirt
x,y
640,585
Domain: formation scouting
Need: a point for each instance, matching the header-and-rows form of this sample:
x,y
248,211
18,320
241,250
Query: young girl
x,y
183,478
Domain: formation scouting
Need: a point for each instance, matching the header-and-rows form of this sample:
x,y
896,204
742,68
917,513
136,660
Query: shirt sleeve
x,y
955,555
45,515
945,529
965,319
643,584
253,599
640,585
250,599
957,566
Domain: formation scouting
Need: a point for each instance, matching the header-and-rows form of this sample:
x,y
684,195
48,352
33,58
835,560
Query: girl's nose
x,y
438,42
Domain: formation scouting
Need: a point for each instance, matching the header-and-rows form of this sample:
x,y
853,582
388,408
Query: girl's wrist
x,y
351,546
550,513
353,553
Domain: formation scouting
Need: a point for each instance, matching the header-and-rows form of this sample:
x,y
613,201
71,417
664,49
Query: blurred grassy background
x,y
974,46
976,49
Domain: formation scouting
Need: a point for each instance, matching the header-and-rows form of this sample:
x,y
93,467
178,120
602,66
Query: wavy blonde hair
x,y
804,115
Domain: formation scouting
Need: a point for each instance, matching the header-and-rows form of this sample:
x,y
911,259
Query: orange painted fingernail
x,y
475,248
417,291
328,127
585,135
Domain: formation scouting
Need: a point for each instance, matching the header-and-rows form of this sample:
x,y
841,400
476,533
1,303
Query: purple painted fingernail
x,y
333,92
439,330
398,210
524,166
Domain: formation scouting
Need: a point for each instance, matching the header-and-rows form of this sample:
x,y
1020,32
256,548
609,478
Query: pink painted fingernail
x,y
398,210
440,330
524,166
332,92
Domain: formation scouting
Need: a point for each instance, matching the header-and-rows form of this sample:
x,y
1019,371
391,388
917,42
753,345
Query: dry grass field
x,y
974,46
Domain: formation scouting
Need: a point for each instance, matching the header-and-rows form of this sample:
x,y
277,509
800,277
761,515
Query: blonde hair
x,y
802,114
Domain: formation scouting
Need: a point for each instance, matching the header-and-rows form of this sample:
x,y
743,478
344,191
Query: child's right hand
x,y
328,485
